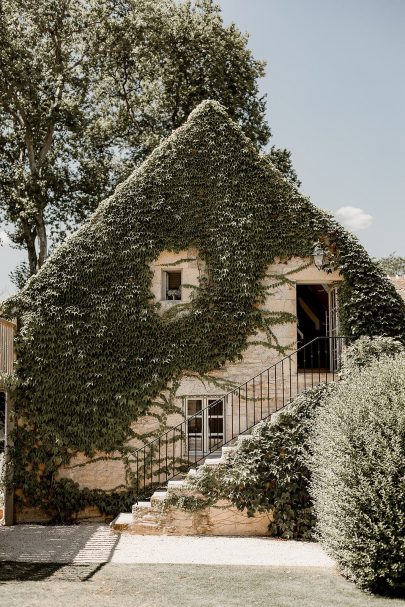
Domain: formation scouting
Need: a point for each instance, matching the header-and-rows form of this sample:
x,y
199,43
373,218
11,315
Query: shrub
x,y
366,349
358,473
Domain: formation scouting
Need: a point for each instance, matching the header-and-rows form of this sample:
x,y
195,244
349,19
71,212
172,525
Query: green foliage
x,y
281,158
364,291
267,471
366,350
88,89
358,474
93,352
187,500
8,381
20,275
393,265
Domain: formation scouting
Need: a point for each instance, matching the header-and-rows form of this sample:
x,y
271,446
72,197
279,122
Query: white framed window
x,y
205,424
171,285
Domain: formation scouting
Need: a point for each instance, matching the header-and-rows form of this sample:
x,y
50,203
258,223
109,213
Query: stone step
x,y
213,461
147,524
141,507
122,522
175,484
158,497
148,518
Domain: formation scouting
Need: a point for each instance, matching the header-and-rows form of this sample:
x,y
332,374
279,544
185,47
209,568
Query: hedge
x,y
358,474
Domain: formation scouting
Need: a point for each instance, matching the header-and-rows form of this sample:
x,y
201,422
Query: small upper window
x,y
172,286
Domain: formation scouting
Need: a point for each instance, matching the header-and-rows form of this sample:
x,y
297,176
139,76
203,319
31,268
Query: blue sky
x,y
336,98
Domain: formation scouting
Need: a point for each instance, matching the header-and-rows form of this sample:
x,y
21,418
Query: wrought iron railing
x,y
177,450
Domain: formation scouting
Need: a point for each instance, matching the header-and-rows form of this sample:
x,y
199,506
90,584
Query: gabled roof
x,y
208,159
207,170
91,338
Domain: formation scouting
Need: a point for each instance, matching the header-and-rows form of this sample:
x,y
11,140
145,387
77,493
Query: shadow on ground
x,y
37,572
57,544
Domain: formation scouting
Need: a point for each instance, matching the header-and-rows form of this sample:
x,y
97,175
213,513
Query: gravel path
x,y
95,543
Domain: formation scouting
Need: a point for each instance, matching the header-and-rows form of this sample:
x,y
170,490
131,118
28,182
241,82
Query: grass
x,y
114,585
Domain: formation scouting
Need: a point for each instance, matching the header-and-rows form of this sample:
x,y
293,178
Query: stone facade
x,y
399,284
107,471
222,519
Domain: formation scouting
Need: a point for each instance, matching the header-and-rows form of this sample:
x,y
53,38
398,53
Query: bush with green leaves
x,y
365,350
358,474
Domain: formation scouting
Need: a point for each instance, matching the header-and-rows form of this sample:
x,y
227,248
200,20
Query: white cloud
x,y
354,218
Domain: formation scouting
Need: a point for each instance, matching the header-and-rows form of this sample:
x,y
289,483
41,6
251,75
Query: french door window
x,y
205,425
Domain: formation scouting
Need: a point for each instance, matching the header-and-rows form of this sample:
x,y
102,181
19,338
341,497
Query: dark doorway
x,y
312,322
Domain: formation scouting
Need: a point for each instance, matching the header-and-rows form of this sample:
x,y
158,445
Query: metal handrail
x,y
329,357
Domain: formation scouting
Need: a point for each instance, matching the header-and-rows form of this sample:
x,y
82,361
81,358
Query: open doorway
x,y
313,307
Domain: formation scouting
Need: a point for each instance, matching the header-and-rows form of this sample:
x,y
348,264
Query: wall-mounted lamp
x,y
319,254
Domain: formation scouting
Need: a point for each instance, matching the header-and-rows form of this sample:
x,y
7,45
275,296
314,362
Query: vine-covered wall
x,y
95,352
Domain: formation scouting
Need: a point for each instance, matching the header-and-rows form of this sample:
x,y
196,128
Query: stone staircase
x,y
161,460
158,517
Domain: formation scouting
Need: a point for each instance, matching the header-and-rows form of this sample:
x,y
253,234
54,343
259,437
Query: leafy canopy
x,y
87,91
393,265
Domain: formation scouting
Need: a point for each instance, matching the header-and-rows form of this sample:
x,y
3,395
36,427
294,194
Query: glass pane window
x,y
195,425
206,424
216,426
172,286
194,406
217,407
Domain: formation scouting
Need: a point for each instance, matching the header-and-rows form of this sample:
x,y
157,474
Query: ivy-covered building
x,y
193,277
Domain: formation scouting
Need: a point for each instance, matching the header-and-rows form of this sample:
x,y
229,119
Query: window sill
x,y
171,301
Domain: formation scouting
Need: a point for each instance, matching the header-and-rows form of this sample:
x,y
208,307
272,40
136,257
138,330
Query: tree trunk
x,y
30,235
42,239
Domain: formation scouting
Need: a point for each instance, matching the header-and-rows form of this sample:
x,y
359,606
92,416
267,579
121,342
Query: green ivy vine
x,y
94,354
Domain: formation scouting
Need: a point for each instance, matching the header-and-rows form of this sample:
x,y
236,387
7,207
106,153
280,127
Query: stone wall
x,y
107,471
221,519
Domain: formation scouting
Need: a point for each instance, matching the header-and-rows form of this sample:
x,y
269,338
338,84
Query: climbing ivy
x,y
94,353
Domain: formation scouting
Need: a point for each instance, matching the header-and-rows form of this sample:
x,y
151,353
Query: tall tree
x,y
89,88
43,98
393,265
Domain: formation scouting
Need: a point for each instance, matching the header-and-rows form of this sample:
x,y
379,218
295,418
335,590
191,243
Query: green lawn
x,y
113,585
